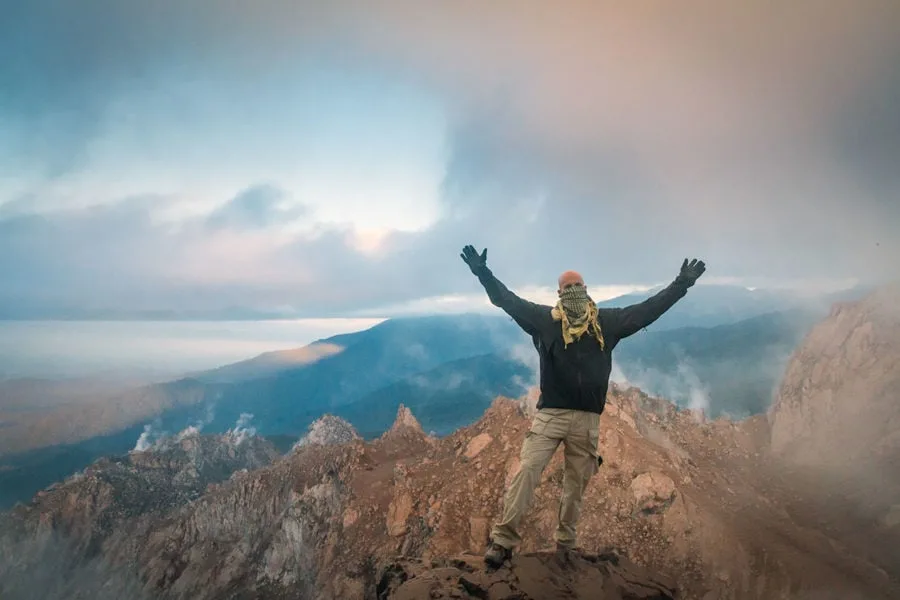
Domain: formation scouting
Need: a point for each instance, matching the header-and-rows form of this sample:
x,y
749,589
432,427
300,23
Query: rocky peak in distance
x,y
328,430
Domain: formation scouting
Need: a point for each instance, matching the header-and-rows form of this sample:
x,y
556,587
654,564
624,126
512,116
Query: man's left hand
x,y
691,272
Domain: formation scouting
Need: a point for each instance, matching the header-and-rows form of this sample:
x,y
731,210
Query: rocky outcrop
x,y
534,576
653,492
328,430
263,533
674,495
405,436
405,421
838,403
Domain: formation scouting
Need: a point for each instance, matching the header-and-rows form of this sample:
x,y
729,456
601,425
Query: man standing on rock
x,y
575,340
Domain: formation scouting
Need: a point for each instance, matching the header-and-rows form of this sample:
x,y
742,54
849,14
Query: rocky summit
x,y
683,507
533,576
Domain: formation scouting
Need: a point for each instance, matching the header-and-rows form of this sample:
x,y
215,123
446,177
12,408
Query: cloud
x,y
653,131
260,206
145,441
612,138
242,430
527,355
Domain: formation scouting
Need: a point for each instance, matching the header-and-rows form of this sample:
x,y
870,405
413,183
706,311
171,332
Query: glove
x,y
477,262
690,272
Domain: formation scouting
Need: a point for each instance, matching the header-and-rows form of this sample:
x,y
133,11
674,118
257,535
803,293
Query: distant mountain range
x,y
447,369
727,369
713,305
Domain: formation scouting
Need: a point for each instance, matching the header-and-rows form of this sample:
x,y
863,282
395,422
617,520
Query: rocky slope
x,y
56,545
696,502
836,424
839,401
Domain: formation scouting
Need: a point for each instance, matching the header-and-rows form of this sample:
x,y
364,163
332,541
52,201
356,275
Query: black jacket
x,y
578,376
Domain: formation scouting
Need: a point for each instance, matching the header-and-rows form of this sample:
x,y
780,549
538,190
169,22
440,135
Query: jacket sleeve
x,y
528,315
627,321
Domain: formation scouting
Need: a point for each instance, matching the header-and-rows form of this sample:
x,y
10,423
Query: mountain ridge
x,y
691,500
302,395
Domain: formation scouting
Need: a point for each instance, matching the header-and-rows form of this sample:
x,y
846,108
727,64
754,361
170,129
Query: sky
x,y
332,159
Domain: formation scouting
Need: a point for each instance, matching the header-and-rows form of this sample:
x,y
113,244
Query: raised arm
x,y
527,314
631,319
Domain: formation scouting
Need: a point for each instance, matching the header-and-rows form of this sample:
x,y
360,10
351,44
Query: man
x,y
574,340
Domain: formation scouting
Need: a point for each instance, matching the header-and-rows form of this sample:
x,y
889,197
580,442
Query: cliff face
x,y
836,426
65,543
839,402
689,500
114,491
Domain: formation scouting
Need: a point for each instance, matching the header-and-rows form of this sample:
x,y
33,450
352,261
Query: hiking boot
x,y
566,548
497,555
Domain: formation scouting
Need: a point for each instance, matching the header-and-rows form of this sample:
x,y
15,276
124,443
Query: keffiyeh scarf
x,y
577,314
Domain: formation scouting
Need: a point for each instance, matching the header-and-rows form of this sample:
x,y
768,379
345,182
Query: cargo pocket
x,y
540,422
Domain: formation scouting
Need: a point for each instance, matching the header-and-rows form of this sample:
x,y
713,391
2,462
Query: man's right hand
x,y
477,262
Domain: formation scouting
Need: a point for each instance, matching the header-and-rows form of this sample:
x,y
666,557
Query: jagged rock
x,y
535,576
613,411
477,444
398,512
327,430
406,420
350,517
406,436
653,492
528,402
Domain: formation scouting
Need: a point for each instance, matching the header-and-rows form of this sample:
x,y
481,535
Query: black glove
x,y
477,262
690,272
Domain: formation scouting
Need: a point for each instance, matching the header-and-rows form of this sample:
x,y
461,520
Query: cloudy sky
x,y
333,158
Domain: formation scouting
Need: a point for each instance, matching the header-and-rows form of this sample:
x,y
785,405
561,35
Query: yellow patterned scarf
x,y
577,313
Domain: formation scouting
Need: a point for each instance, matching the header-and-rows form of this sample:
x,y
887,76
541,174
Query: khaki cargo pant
x,y
579,431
